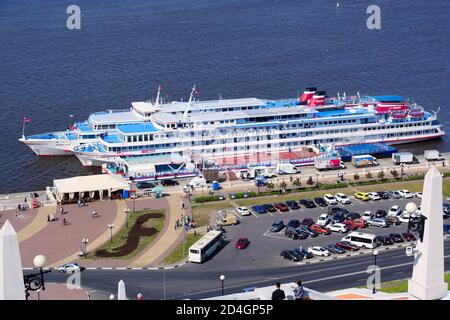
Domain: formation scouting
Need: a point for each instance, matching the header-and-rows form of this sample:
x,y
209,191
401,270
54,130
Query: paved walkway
x,y
168,238
59,291
39,222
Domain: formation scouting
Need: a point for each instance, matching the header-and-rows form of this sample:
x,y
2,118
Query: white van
x,y
362,240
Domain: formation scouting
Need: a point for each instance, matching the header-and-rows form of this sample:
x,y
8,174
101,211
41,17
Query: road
x,y
191,282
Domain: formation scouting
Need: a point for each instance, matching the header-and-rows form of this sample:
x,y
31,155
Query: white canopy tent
x,y
101,183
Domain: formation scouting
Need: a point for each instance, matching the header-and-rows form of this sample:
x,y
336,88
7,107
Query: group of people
x,y
298,291
185,222
81,202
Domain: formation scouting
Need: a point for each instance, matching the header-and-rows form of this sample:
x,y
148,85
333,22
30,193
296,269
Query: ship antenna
x,y
158,96
191,97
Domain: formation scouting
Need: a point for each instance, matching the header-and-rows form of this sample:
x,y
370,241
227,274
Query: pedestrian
x,y
61,210
176,225
48,218
278,294
79,203
299,291
25,199
17,215
182,206
84,202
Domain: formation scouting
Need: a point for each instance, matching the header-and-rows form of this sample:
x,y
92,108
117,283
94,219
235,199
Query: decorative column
x,y
11,275
427,282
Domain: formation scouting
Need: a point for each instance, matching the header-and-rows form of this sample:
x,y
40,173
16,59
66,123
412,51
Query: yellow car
x,y
362,196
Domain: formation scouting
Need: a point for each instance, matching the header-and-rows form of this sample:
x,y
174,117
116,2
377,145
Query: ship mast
x,y
191,98
158,96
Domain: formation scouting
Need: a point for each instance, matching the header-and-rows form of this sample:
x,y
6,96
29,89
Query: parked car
x,y
396,237
293,205
308,203
353,215
338,217
336,209
338,227
395,221
320,202
329,199
362,196
342,198
367,215
335,249
243,211
380,213
384,194
308,231
70,268
350,225
221,196
232,195
294,223
319,251
258,209
383,240
323,219
347,246
394,211
290,255
374,196
446,207
303,252
145,185
360,223
418,195
282,207
446,228
294,234
404,217
378,222
394,194
405,194
320,229
242,243
307,222
277,226
270,207
409,236
169,183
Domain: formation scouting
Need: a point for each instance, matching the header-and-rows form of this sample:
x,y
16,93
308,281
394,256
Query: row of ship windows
x,y
406,125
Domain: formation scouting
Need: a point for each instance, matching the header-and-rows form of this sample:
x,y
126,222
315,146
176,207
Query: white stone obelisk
x,y
427,282
121,293
11,275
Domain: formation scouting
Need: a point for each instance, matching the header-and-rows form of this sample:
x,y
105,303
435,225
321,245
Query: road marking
x,y
240,217
254,214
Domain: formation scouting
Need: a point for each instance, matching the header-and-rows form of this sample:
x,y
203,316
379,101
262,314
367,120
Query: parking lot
x,y
265,246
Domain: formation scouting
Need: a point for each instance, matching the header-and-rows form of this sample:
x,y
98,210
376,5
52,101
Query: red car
x,y
320,229
307,222
282,207
360,223
350,225
242,243
408,236
347,246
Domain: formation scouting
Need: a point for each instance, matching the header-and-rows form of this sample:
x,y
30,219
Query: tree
x,y
283,185
394,173
381,174
310,181
270,186
369,175
356,176
297,182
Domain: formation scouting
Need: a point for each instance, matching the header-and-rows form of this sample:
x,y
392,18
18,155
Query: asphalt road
x,y
259,264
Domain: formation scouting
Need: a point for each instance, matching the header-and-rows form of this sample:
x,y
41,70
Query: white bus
x,y
205,246
360,239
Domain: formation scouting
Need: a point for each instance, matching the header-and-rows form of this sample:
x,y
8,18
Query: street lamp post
x,y
126,211
35,282
222,279
375,254
85,242
111,227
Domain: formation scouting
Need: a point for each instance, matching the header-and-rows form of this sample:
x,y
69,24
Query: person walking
x,y
299,291
278,294
182,206
79,203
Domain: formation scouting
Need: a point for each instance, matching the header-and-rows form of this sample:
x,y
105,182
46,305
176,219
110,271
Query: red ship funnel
x,y
307,95
318,99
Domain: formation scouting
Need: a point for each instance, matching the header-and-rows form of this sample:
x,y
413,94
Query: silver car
x,y
378,222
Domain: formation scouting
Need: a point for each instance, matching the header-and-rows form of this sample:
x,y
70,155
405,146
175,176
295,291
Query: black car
x,y
277,226
393,220
336,209
338,217
385,241
269,207
308,231
396,237
293,205
353,216
380,213
145,185
304,253
334,249
308,203
320,202
291,255
169,183
295,234
446,209
294,223
307,222
384,195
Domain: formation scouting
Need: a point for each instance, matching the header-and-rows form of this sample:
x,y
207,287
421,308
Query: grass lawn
x,y
402,285
177,254
121,237
203,211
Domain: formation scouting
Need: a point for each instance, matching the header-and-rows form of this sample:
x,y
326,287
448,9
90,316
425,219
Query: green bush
x,y
206,199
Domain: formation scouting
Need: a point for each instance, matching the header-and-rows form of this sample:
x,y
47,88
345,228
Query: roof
x,y
389,98
137,128
115,116
112,138
155,159
90,183
211,104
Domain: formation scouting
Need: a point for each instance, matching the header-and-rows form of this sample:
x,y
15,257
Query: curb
x,y
118,268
